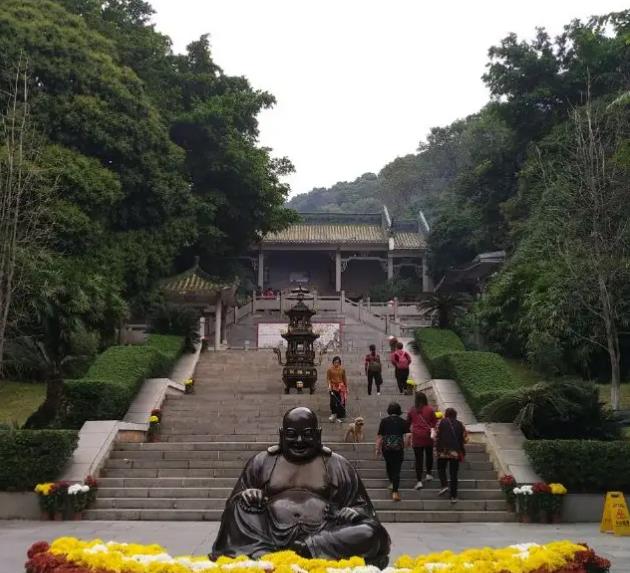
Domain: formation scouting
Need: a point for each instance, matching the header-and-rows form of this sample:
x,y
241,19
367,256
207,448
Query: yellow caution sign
x,y
616,518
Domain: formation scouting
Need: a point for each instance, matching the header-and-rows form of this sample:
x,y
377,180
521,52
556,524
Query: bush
x,y
114,379
28,457
171,346
172,319
582,466
435,342
482,376
555,410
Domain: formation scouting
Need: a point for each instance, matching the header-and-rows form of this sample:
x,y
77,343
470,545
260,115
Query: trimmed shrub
x,y
482,376
435,342
28,457
583,466
170,345
114,379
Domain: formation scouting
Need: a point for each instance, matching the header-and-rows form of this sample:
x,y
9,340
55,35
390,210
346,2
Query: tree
x,y
444,308
24,228
554,410
593,224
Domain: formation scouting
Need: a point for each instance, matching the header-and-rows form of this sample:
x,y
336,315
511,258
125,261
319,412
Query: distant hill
x,y
358,196
406,185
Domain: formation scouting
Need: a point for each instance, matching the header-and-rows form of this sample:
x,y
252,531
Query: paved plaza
x,y
197,537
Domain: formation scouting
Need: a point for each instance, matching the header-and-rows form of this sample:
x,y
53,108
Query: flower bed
x,y
70,555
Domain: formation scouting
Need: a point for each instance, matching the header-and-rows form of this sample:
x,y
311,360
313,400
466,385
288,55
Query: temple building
x,y
333,252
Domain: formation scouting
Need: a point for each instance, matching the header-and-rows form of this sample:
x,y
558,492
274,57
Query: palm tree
x,y
554,410
444,308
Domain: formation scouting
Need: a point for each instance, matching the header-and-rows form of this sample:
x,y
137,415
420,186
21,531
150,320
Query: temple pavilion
x,y
334,252
209,296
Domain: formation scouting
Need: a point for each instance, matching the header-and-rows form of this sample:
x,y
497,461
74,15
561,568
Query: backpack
x,y
374,366
402,359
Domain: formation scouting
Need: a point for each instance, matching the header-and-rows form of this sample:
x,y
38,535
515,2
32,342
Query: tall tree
x,y
593,225
23,193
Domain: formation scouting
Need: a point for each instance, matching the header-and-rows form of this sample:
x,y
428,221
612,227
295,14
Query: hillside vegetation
x,y
541,171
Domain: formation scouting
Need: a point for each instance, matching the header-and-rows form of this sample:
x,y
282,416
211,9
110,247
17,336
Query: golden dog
x,y
355,431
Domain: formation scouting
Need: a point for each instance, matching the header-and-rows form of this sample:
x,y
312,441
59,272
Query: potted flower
x,y
46,495
558,491
154,426
541,505
508,483
93,485
189,386
78,499
204,344
524,506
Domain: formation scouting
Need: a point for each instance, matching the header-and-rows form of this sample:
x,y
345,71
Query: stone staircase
x,y
235,412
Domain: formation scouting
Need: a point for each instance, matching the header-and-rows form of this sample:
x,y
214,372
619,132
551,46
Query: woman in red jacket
x,y
422,420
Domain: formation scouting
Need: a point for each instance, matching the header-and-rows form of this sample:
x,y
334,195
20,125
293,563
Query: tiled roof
x,y
409,241
193,281
301,233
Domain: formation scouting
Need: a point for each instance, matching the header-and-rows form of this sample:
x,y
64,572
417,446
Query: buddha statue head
x,y
300,435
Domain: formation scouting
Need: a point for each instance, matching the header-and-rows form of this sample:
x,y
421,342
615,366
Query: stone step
x,y
234,473
218,503
237,459
362,466
223,493
215,482
387,516
347,449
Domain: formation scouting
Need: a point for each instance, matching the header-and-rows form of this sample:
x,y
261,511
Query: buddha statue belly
x,y
298,494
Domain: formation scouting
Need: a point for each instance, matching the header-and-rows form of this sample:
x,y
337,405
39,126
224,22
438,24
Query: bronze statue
x,y
300,495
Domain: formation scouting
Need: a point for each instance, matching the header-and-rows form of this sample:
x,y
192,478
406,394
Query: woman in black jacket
x,y
390,441
450,447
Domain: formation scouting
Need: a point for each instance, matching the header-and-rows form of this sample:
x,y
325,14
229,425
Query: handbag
x,y
393,443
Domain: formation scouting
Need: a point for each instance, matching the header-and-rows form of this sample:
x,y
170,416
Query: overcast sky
x,y
360,82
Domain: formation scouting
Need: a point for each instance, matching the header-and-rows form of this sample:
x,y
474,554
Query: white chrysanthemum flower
x,y
99,548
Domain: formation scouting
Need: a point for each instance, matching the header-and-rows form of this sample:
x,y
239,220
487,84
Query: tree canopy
x,y
153,155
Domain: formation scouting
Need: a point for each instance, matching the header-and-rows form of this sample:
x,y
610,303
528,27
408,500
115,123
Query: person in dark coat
x,y
301,496
390,442
450,445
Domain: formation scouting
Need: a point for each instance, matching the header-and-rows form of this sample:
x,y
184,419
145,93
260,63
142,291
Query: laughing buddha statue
x,y
301,496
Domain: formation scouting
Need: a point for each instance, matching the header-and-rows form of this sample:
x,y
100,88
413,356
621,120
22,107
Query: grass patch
x,y
18,400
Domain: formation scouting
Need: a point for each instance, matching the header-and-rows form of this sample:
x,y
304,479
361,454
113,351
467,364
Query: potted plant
x,y
189,386
154,425
78,499
524,506
46,495
558,491
541,505
93,485
508,483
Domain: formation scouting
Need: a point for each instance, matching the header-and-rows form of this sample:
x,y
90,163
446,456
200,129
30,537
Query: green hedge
x,y
171,346
482,376
435,342
28,457
583,466
111,383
